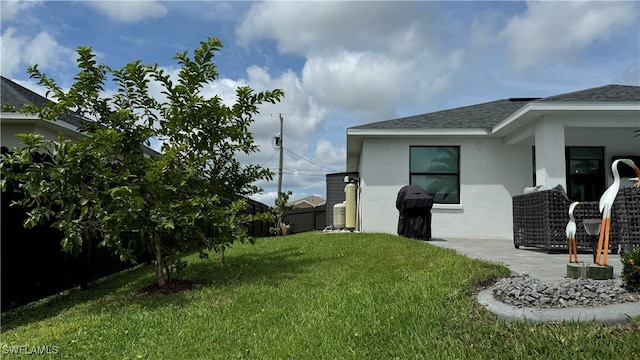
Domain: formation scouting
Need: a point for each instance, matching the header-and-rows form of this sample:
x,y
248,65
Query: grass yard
x,y
306,296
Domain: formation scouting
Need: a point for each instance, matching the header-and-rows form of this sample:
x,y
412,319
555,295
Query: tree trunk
x,y
157,242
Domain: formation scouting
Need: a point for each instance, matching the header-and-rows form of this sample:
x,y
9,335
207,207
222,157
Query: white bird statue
x,y
606,203
571,234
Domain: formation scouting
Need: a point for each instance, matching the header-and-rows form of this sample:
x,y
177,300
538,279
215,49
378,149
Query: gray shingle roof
x,y
475,116
603,93
486,115
309,201
17,95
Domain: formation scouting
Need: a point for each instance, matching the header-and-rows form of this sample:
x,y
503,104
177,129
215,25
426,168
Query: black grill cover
x,y
414,205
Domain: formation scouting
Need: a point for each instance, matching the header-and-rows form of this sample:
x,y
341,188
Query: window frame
x,y
456,174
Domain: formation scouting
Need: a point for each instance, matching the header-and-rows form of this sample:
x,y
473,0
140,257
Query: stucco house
x,y
13,122
310,201
15,95
474,159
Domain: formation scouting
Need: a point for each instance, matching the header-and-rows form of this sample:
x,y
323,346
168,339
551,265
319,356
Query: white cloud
x,y
355,80
9,9
331,155
268,198
369,59
44,49
362,59
20,51
301,110
553,30
10,43
315,27
129,11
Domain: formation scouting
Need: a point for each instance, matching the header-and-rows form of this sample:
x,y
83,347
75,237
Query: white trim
x,y
12,117
17,116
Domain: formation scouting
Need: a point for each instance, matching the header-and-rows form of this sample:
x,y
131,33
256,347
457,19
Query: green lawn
x,y
306,296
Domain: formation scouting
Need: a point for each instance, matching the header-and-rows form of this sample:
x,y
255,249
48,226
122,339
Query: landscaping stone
x,y
523,291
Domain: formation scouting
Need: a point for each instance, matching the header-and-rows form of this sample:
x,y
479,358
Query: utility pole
x,y
280,163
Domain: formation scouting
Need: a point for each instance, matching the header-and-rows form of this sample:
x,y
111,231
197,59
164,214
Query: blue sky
x,y
341,64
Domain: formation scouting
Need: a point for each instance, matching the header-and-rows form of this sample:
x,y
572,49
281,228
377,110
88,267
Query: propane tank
x,y
350,202
338,215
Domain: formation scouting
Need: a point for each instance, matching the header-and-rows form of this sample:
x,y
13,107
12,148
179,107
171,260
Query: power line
x,y
303,174
321,171
297,172
271,157
313,170
300,172
320,117
309,161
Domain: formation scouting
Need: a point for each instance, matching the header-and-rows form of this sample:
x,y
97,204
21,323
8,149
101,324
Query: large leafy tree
x,y
107,185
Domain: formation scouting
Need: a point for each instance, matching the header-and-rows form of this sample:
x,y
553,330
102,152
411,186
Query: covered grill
x,y
414,205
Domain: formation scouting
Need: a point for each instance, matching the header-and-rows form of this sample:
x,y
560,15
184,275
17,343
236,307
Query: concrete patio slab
x,y
550,268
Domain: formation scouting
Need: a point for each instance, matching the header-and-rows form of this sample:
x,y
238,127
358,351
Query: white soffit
x,y
17,118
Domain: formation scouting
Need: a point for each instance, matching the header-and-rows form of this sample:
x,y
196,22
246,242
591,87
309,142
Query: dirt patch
x,y
172,287
483,285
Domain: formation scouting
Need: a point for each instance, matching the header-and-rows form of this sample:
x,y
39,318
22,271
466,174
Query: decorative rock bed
x,y
523,291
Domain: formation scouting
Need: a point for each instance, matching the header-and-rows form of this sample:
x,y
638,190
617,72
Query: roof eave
x,y
18,118
419,132
534,110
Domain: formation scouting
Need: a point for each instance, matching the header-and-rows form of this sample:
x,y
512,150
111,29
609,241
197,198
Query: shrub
x,y
631,270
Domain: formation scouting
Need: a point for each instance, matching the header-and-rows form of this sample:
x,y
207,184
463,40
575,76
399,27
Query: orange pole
x,y
606,241
600,241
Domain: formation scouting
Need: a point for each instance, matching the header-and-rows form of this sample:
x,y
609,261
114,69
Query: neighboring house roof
x,y
12,93
17,95
307,202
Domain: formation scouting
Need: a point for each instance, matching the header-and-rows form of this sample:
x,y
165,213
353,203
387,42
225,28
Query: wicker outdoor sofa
x,y
540,219
626,215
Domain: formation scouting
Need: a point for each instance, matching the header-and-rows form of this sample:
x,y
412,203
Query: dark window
x,y
533,165
436,169
585,173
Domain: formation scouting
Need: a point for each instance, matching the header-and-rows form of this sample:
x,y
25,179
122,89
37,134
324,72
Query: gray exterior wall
x,y
335,191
